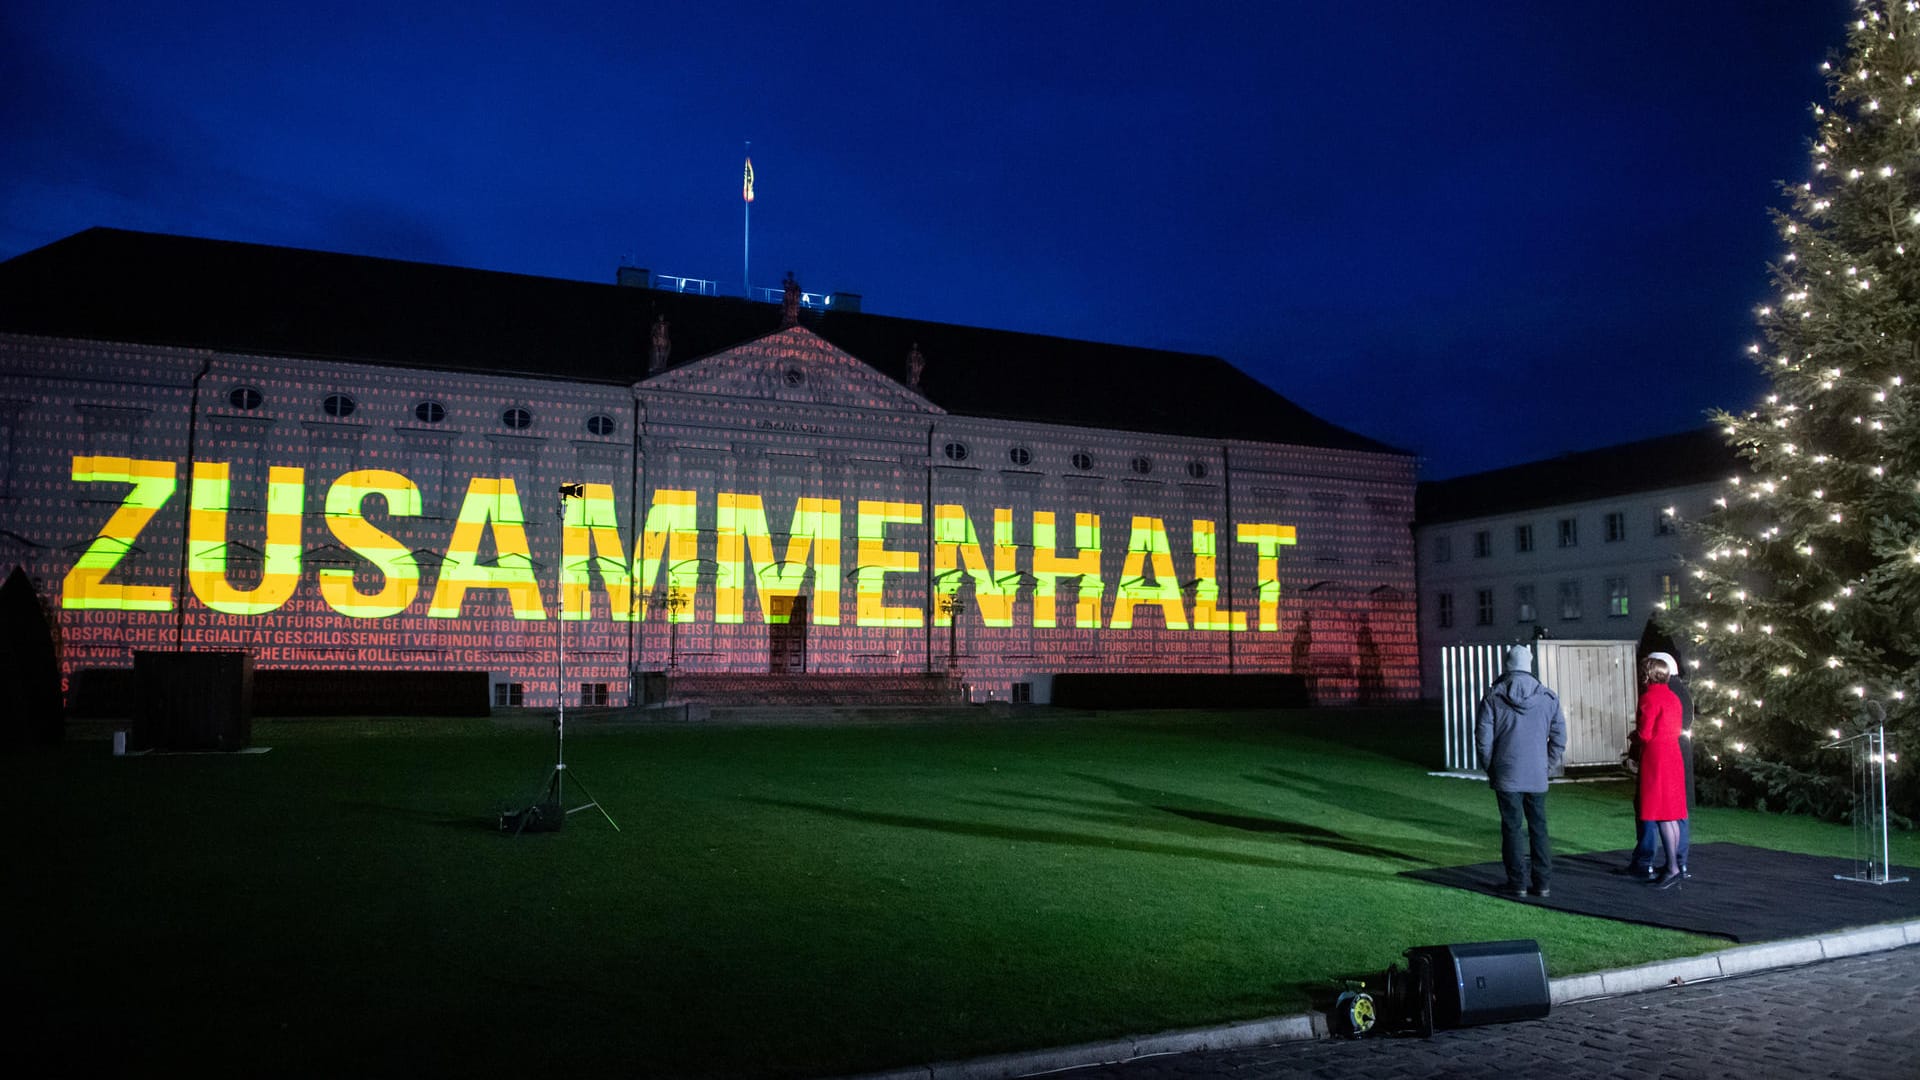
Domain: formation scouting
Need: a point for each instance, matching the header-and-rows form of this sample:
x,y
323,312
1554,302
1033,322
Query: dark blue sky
x,y
1485,232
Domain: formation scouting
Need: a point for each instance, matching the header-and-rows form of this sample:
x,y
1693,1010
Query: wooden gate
x,y
1595,680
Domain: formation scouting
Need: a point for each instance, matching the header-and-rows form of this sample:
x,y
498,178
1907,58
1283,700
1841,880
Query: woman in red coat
x,y
1663,776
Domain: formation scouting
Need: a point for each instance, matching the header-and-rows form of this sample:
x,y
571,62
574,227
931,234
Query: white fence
x,y
1595,680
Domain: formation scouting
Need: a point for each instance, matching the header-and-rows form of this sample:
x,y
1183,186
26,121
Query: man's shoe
x,y
1643,873
1542,892
1516,891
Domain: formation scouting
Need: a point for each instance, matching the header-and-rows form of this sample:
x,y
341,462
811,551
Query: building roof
x,y
1669,461
117,285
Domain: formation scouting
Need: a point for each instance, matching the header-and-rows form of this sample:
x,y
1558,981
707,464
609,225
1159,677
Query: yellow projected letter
x,y
85,586
207,540
956,547
1049,568
591,541
742,536
398,568
1148,542
1207,612
491,501
671,538
1267,541
876,562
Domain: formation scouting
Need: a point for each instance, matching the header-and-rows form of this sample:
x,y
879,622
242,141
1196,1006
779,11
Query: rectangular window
x,y
1522,539
593,693
1666,585
508,695
1443,548
1569,532
1485,602
1569,600
1022,693
1665,523
1443,610
1616,597
1616,527
1523,602
1482,544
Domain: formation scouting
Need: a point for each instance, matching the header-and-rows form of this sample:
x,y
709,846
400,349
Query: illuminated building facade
x,y
337,462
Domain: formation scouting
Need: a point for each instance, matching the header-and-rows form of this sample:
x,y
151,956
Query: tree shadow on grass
x,y
1228,816
1385,804
1059,836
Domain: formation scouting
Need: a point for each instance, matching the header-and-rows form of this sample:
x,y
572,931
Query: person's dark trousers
x,y
1528,810
1647,847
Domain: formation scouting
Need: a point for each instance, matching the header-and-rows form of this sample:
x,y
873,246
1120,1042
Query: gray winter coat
x,y
1520,732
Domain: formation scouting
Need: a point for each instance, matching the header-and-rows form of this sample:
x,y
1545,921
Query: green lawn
x,y
779,901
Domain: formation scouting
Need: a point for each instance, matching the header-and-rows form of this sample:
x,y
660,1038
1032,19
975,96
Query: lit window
x,y
430,412
1020,455
1666,586
338,405
517,419
956,451
600,424
244,397
1616,597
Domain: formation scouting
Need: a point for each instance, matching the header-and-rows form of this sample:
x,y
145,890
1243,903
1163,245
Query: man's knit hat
x,y
1520,658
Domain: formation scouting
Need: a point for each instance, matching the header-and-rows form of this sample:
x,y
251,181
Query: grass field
x,y
778,901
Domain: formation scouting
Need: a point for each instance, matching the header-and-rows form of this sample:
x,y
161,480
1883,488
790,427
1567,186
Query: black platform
x,y
1739,892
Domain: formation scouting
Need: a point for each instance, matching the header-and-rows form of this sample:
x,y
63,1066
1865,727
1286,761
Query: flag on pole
x,y
746,185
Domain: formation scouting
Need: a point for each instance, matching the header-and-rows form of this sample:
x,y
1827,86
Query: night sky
x,y
1484,232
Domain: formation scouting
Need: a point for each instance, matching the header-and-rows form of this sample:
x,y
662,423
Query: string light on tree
x,y
1832,454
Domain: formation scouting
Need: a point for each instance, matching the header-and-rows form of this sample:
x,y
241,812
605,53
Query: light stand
x,y
550,810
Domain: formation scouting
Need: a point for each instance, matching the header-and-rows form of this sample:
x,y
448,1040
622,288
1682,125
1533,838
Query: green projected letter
x,y
590,541
1049,568
491,502
956,549
1148,543
1267,540
742,536
399,570
85,586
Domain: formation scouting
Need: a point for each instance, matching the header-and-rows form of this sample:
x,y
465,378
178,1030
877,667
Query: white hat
x,y
1520,658
1673,666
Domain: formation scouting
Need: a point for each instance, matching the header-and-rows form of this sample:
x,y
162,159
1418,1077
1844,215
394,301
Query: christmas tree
x,y
1805,607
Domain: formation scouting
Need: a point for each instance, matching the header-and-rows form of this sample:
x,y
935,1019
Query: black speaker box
x,y
1487,982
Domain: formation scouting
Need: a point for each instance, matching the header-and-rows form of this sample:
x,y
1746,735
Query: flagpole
x,y
746,227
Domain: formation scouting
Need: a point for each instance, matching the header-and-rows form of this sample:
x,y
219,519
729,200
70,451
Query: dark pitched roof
x,y
116,285
1690,457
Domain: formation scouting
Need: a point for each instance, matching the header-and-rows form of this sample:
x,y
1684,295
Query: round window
x,y
1143,464
338,405
244,397
1197,470
517,419
956,451
1082,460
430,412
1020,455
600,424
795,376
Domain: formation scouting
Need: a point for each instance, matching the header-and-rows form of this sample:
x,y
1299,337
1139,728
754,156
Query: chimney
x,y
662,346
789,302
916,366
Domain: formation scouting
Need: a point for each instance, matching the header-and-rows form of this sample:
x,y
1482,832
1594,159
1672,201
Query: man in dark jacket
x,y
1521,736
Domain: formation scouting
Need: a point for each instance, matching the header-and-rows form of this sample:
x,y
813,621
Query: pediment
x,y
794,365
